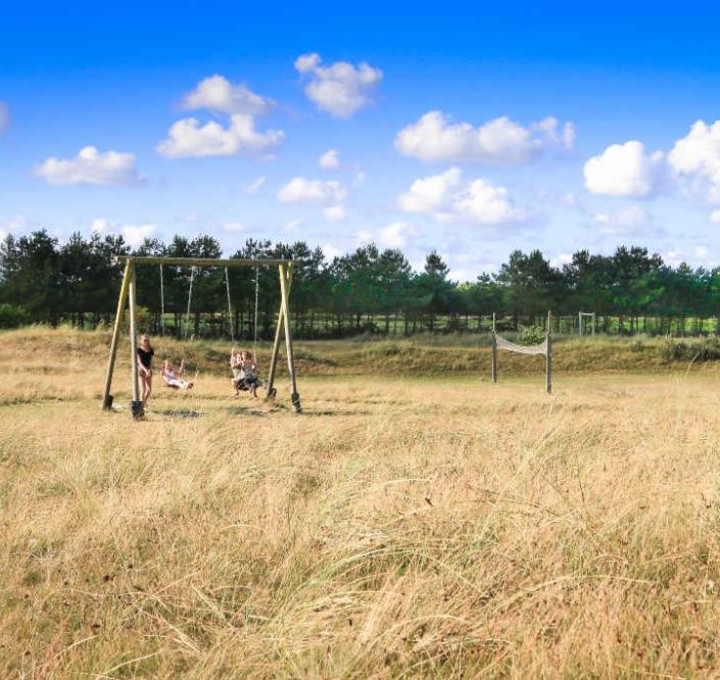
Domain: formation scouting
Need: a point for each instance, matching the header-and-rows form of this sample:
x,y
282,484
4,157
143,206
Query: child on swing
x,y
172,377
244,369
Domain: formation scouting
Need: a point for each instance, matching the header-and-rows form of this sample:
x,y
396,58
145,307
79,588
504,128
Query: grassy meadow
x,y
414,521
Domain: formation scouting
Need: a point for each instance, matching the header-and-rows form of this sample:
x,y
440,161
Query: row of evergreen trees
x,y
42,280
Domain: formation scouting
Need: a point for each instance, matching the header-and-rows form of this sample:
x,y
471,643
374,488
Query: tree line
x,y
371,290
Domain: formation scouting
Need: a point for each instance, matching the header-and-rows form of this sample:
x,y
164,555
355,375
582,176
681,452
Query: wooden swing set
x,y
128,295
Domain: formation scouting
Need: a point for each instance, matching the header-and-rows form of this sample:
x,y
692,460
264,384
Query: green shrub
x,y
707,349
531,335
12,316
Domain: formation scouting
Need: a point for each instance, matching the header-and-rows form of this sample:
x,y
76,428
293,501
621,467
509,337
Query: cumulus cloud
x,y
330,195
13,225
293,225
188,138
330,160
335,213
302,190
219,94
339,89
451,200
626,170
4,117
255,186
134,235
396,235
90,167
100,225
233,227
434,138
630,221
696,159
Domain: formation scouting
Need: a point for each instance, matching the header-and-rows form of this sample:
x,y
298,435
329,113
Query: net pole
x,y
493,347
548,358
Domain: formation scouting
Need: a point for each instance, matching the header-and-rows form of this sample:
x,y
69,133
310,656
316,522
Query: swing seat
x,y
178,383
245,383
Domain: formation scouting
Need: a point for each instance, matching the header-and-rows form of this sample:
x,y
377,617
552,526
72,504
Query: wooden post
x,y
548,359
493,346
136,405
107,399
270,390
285,279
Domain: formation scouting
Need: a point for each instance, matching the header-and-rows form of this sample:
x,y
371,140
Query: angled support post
x,y
107,399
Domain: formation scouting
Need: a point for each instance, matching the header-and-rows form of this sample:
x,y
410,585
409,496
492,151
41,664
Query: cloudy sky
x,y
473,129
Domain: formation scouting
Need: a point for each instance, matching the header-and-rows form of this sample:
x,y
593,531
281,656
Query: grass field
x,y
421,523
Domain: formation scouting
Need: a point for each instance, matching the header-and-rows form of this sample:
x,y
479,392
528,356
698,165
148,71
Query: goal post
x,y
582,316
128,295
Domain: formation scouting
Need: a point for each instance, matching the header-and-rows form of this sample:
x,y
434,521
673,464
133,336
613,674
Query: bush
x,y
531,335
707,349
12,316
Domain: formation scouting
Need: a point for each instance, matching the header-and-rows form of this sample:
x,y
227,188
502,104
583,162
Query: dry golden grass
x,y
441,527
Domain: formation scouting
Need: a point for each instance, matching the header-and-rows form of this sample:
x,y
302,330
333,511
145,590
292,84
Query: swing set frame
x,y
128,295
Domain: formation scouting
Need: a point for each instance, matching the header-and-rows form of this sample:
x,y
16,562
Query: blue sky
x,y
472,131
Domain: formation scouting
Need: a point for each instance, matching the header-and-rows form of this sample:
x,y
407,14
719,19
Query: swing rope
x,y
230,310
162,303
187,316
257,306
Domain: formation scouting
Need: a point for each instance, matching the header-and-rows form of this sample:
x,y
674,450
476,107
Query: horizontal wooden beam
x,y
200,261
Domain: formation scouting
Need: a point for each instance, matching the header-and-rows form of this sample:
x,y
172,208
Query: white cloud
x,y
715,217
219,94
330,160
330,195
13,225
626,170
293,225
4,117
301,190
396,235
135,235
331,251
90,167
335,213
99,225
699,257
255,186
450,200
359,179
630,221
696,159
233,227
498,142
340,89
561,259
189,139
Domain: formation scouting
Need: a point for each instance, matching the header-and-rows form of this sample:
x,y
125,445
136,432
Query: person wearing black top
x,y
145,354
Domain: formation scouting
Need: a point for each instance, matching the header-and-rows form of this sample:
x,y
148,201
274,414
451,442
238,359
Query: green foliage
x,y
12,316
531,335
707,349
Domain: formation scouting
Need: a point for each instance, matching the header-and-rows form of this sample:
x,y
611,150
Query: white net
x,y
502,343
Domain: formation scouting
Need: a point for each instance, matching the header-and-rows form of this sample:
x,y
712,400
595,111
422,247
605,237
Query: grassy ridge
x,y
424,356
445,528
